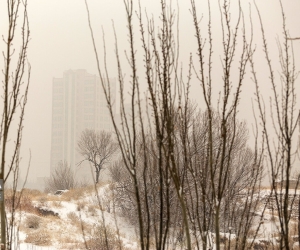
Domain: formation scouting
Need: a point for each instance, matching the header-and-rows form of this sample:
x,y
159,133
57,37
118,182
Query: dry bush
x,y
273,218
92,210
46,212
23,201
106,200
41,237
78,223
73,217
26,205
42,200
252,233
98,239
18,201
80,205
62,178
33,221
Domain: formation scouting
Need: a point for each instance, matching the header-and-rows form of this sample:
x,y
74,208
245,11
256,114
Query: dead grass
x,y
56,204
32,193
18,202
70,244
40,237
78,223
42,230
42,200
25,201
76,194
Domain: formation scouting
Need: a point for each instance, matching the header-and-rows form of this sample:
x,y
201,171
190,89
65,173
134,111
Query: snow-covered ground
x,y
71,219
68,222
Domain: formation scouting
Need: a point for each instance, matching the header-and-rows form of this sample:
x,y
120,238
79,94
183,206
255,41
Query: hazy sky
x,y
60,40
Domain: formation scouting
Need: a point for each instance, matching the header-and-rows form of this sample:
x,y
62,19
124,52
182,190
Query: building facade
x,y
78,103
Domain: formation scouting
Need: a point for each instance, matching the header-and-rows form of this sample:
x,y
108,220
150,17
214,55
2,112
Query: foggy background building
x,y
78,103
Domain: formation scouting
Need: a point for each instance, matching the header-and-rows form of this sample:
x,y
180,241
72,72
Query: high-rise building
x,y
78,102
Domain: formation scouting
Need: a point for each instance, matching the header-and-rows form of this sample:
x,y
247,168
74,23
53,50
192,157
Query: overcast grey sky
x,y
60,40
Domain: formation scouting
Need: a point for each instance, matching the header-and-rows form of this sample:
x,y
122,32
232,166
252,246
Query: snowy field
x,y
73,218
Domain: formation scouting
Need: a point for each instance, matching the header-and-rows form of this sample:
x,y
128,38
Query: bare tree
x,y
224,137
279,128
237,205
97,147
63,177
14,96
241,185
171,164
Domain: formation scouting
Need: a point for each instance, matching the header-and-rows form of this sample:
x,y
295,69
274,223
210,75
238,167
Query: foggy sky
x,y
60,40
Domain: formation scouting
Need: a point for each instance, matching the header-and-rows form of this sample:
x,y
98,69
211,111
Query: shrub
x,y
33,221
45,212
92,210
98,239
15,200
61,178
80,206
42,200
73,217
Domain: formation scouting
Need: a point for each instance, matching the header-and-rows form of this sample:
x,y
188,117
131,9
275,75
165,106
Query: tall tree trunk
x,y
97,175
299,220
217,227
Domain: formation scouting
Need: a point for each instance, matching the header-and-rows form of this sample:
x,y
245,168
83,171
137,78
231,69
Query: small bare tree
x,y
63,177
97,147
15,84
